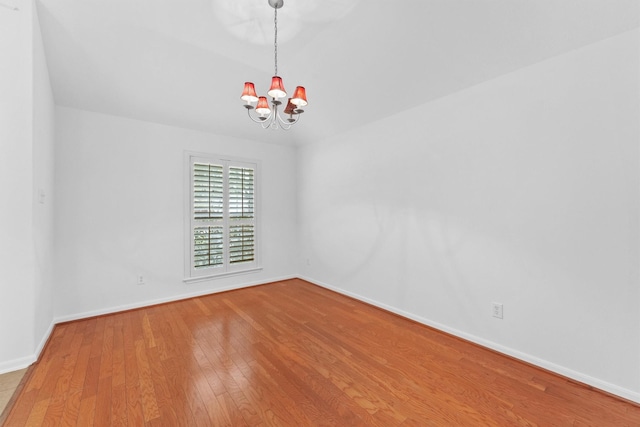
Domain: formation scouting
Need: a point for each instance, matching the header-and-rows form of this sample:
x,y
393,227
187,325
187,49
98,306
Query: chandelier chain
x,y
275,40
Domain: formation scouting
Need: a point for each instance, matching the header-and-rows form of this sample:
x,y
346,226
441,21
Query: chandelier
x,y
270,117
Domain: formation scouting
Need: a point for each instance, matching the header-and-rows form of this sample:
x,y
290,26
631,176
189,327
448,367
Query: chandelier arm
x,y
282,125
258,120
286,123
277,119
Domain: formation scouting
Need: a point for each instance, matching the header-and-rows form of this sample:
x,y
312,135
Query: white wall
x,y
16,233
26,164
523,190
42,192
120,204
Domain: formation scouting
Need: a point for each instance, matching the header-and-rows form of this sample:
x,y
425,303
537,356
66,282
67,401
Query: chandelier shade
x,y
277,88
263,106
290,108
249,93
299,97
270,117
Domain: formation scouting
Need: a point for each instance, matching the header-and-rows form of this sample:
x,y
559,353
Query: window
x,y
222,232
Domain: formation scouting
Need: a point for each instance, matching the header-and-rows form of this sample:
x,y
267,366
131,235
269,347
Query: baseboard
x,y
147,303
16,364
24,362
544,364
44,340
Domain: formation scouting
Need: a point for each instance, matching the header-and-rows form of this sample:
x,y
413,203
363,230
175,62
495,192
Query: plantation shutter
x,y
222,222
241,215
241,190
208,191
208,212
208,250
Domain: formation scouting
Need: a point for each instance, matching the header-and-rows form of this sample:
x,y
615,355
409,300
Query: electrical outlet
x,y
496,310
141,279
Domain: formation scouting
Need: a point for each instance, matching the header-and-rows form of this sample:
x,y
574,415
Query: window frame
x,y
192,274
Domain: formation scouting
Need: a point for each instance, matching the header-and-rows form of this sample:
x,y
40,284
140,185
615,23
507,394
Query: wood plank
x,y
147,390
289,353
86,414
38,413
71,409
103,402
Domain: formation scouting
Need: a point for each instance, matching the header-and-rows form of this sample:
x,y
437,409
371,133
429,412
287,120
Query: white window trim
x,y
190,274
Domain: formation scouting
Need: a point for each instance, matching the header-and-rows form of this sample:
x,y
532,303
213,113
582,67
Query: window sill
x,y
188,280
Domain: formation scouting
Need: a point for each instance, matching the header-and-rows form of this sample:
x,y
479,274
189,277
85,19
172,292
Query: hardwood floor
x,y
290,354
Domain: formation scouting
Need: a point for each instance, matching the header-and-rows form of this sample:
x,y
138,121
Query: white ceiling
x,y
184,62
